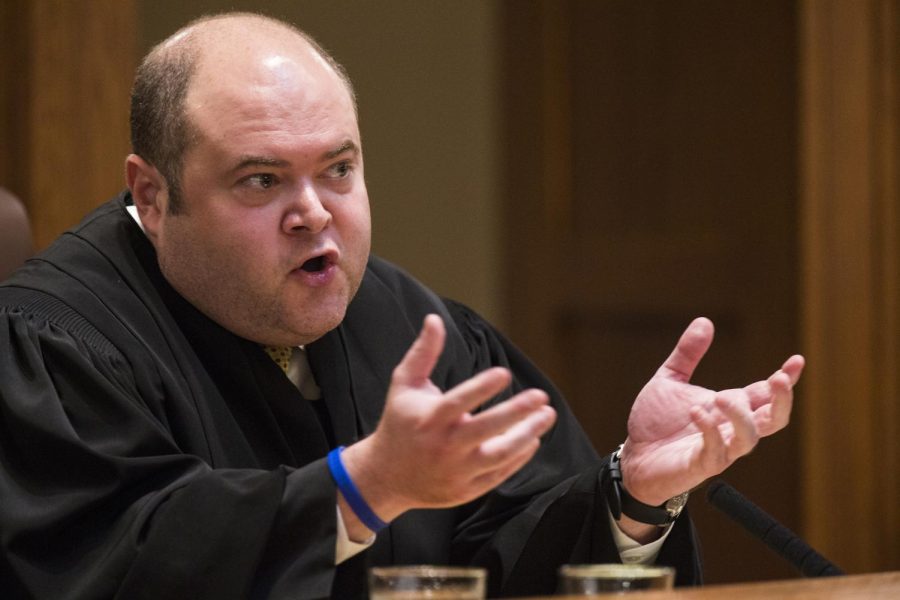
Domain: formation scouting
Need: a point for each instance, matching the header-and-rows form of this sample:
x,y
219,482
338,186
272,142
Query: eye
x,y
262,180
341,169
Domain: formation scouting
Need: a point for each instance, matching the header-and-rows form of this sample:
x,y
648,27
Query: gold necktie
x,y
281,355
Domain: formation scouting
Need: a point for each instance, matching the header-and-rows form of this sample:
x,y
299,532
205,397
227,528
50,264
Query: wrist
x,y
371,480
623,504
350,494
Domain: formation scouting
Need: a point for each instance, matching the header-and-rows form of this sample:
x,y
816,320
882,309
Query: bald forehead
x,y
232,29
244,42
241,41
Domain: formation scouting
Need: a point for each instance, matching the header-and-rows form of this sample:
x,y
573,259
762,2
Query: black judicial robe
x,y
146,452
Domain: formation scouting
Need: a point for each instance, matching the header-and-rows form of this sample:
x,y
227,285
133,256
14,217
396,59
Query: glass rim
x,y
428,571
616,570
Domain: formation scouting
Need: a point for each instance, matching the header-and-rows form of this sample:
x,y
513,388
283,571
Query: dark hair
x,y
160,130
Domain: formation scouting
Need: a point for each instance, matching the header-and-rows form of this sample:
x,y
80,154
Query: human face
x,y
274,234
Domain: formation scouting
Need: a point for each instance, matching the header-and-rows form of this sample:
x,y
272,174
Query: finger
x,y
500,418
493,478
779,413
422,356
794,367
500,449
472,393
762,392
744,436
691,347
712,454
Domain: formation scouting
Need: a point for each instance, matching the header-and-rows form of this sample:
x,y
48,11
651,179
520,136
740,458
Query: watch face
x,y
675,505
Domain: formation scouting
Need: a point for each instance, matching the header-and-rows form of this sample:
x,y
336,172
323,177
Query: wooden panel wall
x,y
851,222
652,178
66,76
739,159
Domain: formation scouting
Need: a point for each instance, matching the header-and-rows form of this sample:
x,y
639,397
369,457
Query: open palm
x,y
680,434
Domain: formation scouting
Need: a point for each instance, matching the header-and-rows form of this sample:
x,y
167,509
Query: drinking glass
x,y
593,580
426,582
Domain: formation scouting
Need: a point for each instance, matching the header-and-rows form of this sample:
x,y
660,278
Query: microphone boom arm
x,y
763,526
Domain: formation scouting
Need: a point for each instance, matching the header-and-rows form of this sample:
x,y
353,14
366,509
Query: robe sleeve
x,y
98,501
553,511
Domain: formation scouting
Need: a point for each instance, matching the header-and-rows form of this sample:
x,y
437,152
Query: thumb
x,y
422,356
691,347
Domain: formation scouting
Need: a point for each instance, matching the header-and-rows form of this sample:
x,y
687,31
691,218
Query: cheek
x,y
356,226
248,254
358,241
207,249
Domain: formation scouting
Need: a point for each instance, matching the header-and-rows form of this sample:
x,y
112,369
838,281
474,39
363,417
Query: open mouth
x,y
314,265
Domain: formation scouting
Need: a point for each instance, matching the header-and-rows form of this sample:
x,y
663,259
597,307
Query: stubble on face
x,y
234,263
245,295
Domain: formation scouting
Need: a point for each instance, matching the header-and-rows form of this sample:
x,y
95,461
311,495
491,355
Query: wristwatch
x,y
621,502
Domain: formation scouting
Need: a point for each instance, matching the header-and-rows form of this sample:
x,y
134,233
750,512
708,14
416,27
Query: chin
x,y
309,328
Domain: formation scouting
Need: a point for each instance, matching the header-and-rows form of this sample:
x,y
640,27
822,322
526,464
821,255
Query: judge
x,y
152,448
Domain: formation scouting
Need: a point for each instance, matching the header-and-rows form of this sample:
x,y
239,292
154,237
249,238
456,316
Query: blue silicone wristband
x,y
351,493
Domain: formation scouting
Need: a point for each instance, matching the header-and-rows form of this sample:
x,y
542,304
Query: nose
x,y
307,213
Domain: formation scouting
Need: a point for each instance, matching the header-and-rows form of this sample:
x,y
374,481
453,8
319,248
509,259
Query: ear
x,y
149,191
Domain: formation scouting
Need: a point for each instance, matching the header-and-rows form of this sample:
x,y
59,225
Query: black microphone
x,y
779,538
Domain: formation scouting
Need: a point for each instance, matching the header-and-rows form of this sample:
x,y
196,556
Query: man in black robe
x,y
150,448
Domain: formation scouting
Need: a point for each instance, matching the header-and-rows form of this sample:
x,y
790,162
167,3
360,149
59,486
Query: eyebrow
x,y
250,160
347,146
259,161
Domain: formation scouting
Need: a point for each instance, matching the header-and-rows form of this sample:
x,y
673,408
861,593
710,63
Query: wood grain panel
x,y
67,113
851,58
672,194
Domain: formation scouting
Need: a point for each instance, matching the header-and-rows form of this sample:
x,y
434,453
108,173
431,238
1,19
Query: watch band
x,y
621,502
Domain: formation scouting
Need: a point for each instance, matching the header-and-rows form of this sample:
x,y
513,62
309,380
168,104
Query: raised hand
x,y
428,451
681,434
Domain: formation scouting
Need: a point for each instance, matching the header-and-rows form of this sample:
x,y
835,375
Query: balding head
x,y
257,136
161,130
